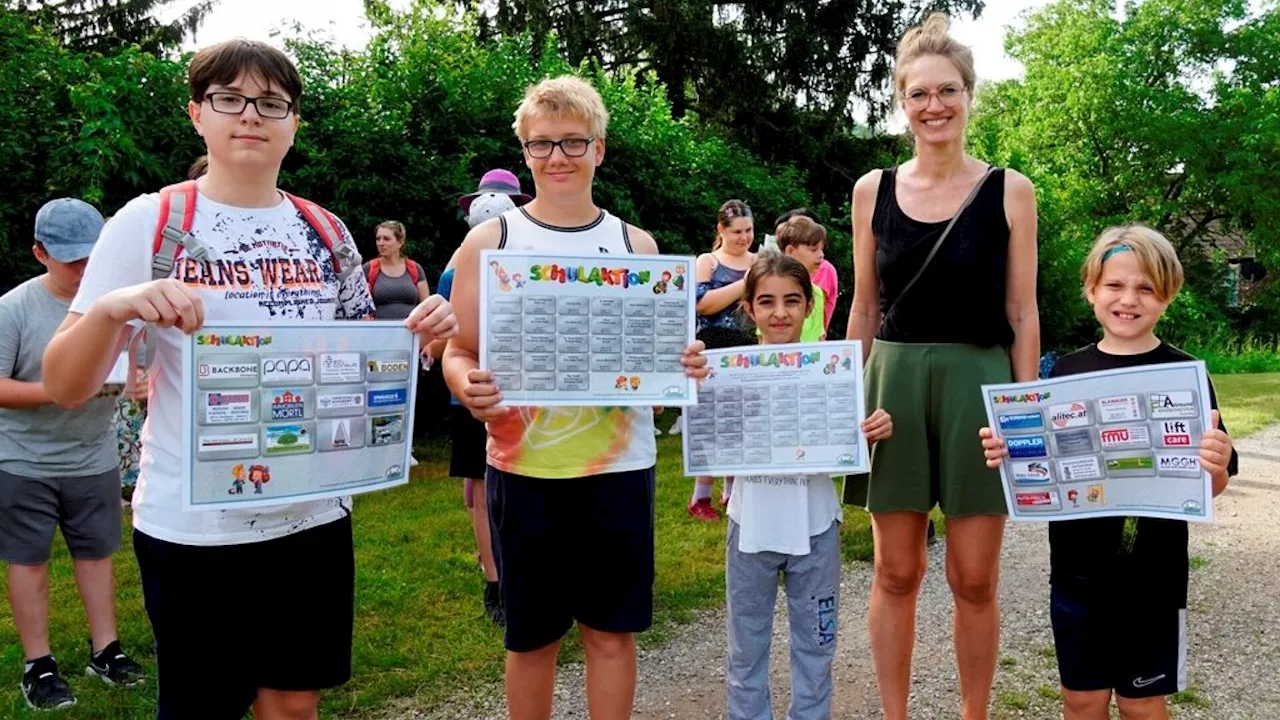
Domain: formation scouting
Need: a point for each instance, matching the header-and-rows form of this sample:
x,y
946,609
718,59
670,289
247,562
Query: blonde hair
x,y
564,96
1155,255
932,38
800,230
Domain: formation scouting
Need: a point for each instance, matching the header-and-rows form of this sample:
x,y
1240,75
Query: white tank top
x,y
569,442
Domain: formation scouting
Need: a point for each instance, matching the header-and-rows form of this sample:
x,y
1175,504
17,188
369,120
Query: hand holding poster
x,y
587,329
1116,442
296,411
777,409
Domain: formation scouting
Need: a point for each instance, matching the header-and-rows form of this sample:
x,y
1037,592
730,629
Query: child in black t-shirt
x,y
1119,595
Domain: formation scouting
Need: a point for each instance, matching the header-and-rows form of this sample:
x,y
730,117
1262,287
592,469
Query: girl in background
x,y
720,275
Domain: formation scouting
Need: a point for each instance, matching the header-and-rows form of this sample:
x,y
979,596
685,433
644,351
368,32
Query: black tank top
x,y
960,298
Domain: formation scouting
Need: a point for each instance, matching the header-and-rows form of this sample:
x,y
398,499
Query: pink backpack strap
x,y
412,268
177,214
375,267
324,223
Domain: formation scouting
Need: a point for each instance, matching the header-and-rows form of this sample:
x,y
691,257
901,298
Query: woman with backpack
x,y
397,283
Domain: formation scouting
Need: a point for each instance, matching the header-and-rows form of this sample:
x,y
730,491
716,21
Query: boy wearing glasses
x,y
570,490
250,608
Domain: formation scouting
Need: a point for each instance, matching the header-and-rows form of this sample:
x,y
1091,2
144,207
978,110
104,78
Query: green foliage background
x,y
1167,113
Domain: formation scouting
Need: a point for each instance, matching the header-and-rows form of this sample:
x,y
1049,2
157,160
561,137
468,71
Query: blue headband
x,y
1115,250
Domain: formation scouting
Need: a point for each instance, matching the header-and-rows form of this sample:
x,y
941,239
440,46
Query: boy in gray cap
x,y
57,467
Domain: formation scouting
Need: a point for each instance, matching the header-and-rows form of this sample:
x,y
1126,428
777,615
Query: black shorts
x,y
577,549
86,508
230,619
468,452
1138,652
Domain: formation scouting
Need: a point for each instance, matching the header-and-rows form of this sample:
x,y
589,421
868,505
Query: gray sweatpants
x,y
813,589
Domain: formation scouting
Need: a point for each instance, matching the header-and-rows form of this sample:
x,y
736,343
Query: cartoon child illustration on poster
x,y
237,480
518,279
259,475
830,368
679,278
635,382
621,384
1074,496
847,363
660,287
504,280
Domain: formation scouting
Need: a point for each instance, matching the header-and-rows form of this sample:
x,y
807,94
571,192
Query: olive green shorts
x,y
933,392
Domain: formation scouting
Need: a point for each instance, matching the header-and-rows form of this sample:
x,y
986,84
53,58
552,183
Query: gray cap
x,y
68,228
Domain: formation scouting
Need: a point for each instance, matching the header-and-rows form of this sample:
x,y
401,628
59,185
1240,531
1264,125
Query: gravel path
x,y
1233,622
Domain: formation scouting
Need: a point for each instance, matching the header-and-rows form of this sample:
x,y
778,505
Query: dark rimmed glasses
x,y
571,147
229,103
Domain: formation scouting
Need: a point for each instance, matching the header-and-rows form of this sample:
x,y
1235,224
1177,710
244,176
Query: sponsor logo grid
x,y
1053,443
310,402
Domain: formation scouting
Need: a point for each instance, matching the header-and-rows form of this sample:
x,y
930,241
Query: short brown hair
x,y
1155,254
933,38
800,230
221,64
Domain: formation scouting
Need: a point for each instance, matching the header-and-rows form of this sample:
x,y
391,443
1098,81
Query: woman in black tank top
x,y
933,331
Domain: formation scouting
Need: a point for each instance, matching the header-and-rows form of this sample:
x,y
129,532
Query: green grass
x,y
1013,700
419,632
1248,402
1191,696
1197,562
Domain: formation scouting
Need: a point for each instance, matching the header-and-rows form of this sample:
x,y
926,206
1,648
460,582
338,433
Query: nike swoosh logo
x,y
1140,683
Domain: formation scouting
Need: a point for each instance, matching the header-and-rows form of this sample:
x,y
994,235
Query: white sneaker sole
x,y
32,706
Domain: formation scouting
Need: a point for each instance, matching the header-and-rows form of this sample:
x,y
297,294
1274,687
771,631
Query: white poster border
x,y
1090,378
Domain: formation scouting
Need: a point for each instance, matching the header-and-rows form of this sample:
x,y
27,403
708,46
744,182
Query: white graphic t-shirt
x,y
779,513
261,264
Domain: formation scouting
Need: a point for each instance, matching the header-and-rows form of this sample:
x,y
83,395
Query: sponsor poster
x,y
291,411
604,330
771,409
1115,442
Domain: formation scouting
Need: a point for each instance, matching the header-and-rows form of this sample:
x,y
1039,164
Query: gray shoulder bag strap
x,y
941,238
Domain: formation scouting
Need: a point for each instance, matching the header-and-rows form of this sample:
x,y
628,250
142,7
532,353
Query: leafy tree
x,y
1164,112
106,26
787,79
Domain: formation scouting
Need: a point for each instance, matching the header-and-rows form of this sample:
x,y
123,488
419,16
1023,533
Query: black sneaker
x,y
114,667
43,689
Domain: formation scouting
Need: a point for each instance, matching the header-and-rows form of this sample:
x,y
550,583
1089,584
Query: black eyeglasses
x,y
229,103
571,147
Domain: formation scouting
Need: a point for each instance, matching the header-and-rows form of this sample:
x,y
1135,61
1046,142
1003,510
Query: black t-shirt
x,y
1096,555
